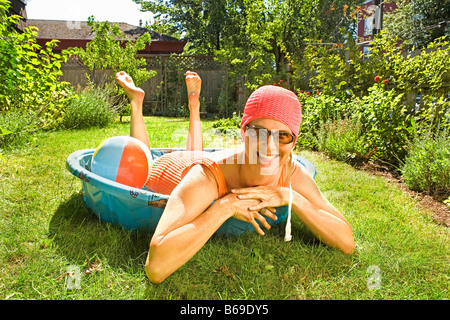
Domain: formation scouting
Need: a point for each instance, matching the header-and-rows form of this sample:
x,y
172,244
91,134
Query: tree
x,y
259,38
110,49
418,22
29,74
206,24
435,15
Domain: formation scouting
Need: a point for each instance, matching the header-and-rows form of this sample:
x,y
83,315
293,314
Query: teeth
x,y
268,157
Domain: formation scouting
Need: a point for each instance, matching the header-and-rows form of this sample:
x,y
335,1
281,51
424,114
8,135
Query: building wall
x,y
18,7
365,19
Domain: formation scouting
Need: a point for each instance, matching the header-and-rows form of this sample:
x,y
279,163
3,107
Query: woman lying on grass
x,y
207,188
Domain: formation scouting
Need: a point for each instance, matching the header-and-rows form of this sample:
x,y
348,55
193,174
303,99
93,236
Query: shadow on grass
x,y
80,236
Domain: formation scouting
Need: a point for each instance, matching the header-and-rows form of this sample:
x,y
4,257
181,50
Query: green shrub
x,y
385,122
105,52
224,123
427,164
230,127
91,108
29,73
317,109
17,128
341,139
447,202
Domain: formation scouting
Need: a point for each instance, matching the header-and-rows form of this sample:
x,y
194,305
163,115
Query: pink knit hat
x,y
276,103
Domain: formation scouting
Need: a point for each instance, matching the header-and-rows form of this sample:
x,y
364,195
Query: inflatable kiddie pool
x,y
140,209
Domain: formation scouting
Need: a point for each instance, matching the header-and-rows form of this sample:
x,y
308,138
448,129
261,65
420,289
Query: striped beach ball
x,y
125,160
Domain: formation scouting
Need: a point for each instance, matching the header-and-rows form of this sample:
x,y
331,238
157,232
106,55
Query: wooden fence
x,y
165,93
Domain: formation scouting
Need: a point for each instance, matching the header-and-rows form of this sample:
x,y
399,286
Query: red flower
x,y
281,81
308,93
301,91
385,81
377,78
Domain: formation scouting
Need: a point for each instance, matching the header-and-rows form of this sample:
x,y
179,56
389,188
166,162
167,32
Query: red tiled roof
x,y
62,29
78,34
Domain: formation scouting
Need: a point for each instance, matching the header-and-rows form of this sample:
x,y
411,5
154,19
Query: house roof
x,y
78,34
79,30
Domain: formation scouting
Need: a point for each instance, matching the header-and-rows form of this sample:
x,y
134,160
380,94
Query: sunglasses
x,y
263,134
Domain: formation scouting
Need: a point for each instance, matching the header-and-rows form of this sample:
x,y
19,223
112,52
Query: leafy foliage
x,y
92,107
207,25
29,74
384,121
427,165
317,110
370,96
419,22
228,123
259,38
342,139
110,49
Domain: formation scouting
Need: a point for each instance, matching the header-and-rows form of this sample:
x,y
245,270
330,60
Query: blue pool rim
x,y
140,209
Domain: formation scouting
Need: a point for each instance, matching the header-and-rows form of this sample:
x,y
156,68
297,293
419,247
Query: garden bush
x,y
427,164
340,71
385,121
228,123
31,96
17,128
342,139
318,109
229,127
90,108
29,73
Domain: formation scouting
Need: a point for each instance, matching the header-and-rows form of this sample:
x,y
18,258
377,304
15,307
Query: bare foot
x,y
194,86
125,81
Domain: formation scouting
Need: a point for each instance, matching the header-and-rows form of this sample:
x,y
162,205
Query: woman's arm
x,y
189,220
186,224
317,213
324,221
310,206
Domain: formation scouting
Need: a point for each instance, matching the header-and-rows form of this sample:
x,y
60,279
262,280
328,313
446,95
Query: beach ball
x,y
125,160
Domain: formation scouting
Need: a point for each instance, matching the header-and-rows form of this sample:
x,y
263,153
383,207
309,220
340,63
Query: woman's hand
x,y
241,211
269,197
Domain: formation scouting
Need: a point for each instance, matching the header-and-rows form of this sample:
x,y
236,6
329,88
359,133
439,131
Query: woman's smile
x,y
267,159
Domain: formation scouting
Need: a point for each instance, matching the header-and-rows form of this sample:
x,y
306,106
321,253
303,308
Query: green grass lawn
x,y
46,231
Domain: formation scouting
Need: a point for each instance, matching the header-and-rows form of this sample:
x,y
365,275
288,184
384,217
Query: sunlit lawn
x,y
46,231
